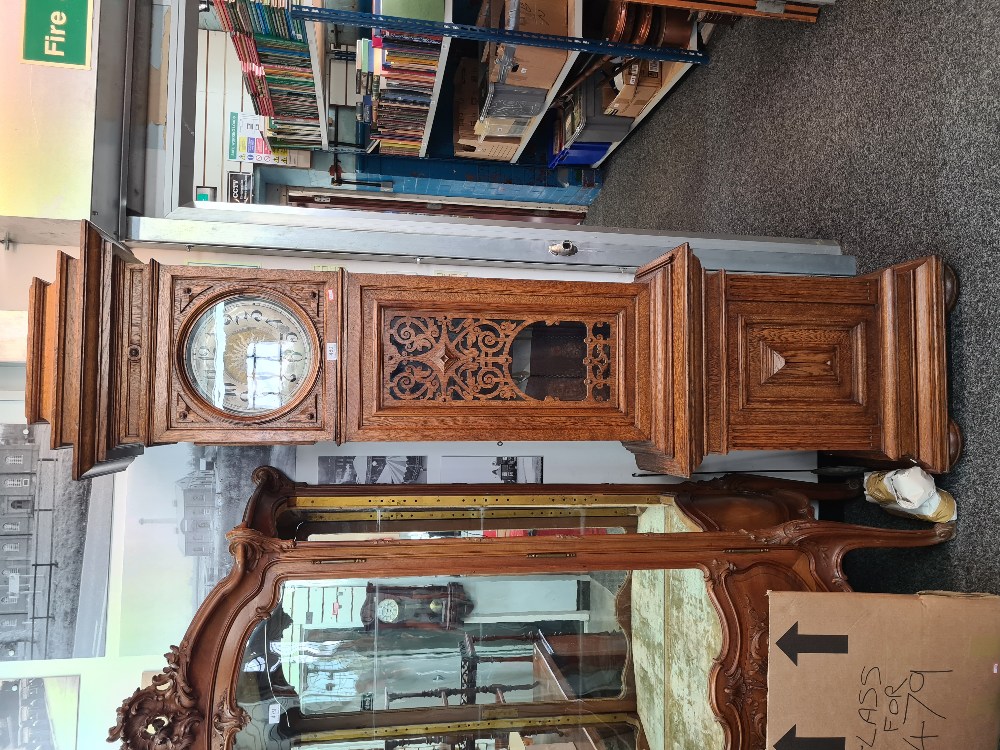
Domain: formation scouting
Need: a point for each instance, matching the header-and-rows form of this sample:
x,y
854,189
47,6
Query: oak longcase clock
x,y
676,364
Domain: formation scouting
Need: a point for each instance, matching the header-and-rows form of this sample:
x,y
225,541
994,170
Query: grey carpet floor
x,y
878,127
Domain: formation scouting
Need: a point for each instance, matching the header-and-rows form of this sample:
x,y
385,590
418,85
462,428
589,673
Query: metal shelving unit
x,y
317,57
575,11
678,71
436,94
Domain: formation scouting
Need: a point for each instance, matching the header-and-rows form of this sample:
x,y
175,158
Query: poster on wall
x,y
373,469
248,141
491,469
55,548
40,713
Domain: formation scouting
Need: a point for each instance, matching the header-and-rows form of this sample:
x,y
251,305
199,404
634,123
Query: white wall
x,y
220,90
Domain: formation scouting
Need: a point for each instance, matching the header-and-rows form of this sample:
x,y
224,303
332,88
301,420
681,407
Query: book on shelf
x,y
276,66
405,66
266,17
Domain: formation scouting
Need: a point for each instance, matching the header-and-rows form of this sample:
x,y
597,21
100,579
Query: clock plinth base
x,y
915,299
746,362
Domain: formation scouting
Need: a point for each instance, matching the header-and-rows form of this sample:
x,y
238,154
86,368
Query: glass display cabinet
x,y
482,617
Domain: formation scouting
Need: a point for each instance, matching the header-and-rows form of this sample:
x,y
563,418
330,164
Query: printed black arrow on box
x,y
793,742
794,644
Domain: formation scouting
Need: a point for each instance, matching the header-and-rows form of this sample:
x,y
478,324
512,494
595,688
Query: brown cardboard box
x,y
468,143
502,127
534,67
639,84
492,149
883,671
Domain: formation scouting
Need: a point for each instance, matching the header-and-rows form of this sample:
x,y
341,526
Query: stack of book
x,y
276,68
396,75
266,17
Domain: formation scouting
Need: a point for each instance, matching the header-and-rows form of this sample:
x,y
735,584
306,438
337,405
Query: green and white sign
x,y
58,32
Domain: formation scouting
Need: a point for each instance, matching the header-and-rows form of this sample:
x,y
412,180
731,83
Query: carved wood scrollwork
x,y
247,545
228,719
746,678
163,716
445,358
451,359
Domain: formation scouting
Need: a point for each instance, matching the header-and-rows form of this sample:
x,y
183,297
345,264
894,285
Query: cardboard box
x,y
491,149
884,671
502,127
638,84
532,67
466,98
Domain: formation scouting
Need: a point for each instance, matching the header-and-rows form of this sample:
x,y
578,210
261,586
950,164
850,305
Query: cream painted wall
x,y
46,129
22,263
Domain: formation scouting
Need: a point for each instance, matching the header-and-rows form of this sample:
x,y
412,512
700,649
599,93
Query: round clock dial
x,y
249,355
388,610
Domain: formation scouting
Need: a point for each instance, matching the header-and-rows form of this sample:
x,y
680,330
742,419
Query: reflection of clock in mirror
x,y
388,610
249,355
432,607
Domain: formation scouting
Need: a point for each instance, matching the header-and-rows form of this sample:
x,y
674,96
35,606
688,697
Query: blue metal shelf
x,y
500,36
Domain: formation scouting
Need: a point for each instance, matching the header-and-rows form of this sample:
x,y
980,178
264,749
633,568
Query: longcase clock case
x,y
676,364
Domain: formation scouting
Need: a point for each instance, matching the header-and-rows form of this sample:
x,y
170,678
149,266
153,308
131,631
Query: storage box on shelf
x,y
670,74
583,121
282,68
528,67
468,143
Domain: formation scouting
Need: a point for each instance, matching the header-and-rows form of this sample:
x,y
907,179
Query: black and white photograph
x,y
373,469
182,500
491,469
40,713
55,547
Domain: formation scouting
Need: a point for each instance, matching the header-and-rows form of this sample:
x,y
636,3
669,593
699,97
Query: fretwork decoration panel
x,y
442,358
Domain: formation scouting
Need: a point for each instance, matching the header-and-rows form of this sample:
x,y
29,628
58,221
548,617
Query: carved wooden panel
x,y
802,372
180,413
739,678
439,359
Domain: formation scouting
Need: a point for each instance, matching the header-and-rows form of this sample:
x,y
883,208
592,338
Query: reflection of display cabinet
x,y
225,686
677,364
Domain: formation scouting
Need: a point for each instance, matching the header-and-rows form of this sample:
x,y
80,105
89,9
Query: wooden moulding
x,y
792,12
38,385
757,537
180,294
914,306
71,376
376,409
676,378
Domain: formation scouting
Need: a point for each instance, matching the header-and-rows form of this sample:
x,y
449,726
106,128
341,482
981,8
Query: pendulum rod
x,y
500,36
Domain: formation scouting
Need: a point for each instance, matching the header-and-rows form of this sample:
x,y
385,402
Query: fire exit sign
x,y
57,32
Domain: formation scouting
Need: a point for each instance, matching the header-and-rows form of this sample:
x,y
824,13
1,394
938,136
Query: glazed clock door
x,y
243,356
445,359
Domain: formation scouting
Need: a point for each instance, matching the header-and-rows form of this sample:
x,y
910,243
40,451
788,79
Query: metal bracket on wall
x,y
7,244
500,36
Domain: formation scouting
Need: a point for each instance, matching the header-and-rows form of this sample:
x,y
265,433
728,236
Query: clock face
x,y
248,355
388,610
